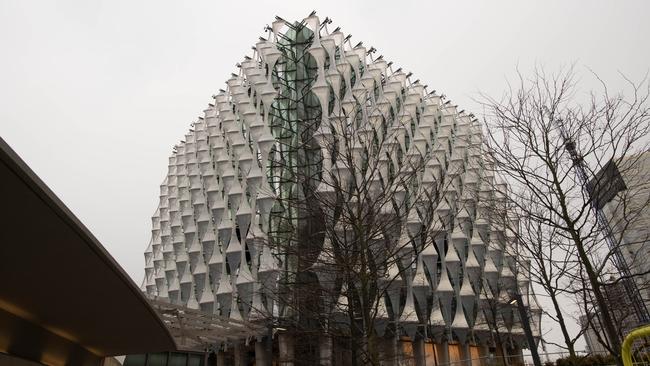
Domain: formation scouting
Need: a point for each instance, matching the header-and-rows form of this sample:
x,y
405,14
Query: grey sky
x,y
93,94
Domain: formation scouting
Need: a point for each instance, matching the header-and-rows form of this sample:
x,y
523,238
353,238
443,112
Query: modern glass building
x,y
328,195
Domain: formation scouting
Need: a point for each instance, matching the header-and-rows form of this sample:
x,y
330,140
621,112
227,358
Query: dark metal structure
x,y
195,330
591,188
63,298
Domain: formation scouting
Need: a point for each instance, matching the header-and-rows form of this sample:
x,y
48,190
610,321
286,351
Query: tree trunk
x,y
610,329
608,323
560,319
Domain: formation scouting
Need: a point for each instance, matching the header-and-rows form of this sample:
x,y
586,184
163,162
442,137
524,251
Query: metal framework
x,y
603,224
194,330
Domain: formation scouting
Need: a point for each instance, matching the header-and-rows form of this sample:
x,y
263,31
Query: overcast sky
x,y
94,94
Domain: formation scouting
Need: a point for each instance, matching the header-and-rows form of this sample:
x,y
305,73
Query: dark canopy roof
x,y
63,298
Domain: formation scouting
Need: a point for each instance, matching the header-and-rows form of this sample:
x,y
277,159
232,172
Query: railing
x,y
636,347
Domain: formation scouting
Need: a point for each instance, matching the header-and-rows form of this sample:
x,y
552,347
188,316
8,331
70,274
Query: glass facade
x,y
166,359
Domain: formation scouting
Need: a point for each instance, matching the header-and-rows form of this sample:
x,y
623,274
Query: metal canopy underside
x,y
63,298
194,330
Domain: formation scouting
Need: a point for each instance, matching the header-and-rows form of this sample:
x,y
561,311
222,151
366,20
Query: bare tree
x,y
356,179
540,251
363,224
532,131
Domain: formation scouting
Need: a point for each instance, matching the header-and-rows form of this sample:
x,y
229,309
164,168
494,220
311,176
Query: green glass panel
x,y
177,359
135,360
157,359
195,360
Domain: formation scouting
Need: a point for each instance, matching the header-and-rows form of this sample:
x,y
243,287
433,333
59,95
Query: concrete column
x,y
516,355
442,350
504,354
262,358
484,353
285,344
386,351
221,358
326,350
466,355
240,355
398,349
418,351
